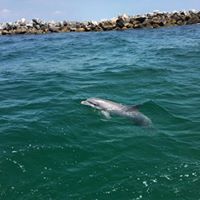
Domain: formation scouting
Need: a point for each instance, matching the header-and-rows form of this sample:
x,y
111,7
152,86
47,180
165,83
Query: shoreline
x,y
123,22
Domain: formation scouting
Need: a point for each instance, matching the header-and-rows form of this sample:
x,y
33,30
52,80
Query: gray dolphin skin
x,y
108,108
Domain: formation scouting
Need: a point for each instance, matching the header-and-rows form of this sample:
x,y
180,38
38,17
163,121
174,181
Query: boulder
x,y
198,14
37,26
14,26
1,27
22,22
140,19
193,20
71,26
125,18
137,22
38,32
72,29
80,30
65,23
180,22
44,28
138,25
107,25
155,25
21,30
132,20
171,22
37,21
120,22
8,27
87,29
147,25
157,20
78,25
92,26
54,29
175,17
128,25
29,25
5,32
64,29
124,28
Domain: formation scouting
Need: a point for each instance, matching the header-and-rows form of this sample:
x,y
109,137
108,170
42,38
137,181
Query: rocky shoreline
x,y
151,20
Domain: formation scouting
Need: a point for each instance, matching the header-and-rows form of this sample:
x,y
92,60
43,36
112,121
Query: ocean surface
x,y
54,148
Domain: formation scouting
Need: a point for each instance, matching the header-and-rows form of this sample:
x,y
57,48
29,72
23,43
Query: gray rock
x,y
120,22
193,20
37,21
140,19
22,22
54,27
80,29
72,29
65,23
29,25
8,27
5,32
107,25
37,26
93,26
21,30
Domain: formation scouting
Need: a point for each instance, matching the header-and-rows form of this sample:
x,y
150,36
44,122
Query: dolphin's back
x,y
109,105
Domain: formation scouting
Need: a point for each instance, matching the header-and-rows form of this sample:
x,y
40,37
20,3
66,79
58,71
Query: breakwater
x,y
123,22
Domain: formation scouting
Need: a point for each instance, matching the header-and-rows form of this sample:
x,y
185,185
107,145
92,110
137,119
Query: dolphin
x,y
108,108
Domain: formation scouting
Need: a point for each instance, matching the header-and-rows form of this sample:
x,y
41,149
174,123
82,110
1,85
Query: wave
x,y
166,120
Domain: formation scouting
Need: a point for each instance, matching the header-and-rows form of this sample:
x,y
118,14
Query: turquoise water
x,y
52,147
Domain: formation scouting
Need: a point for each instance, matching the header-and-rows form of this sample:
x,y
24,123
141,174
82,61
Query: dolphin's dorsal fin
x,y
133,108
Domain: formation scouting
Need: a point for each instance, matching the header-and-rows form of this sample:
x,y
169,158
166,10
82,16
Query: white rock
x,y
125,16
95,22
23,20
3,26
103,20
194,11
30,25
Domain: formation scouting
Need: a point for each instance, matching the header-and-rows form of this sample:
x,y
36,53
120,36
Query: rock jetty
x,y
123,22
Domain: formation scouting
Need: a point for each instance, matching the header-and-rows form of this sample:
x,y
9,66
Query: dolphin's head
x,y
93,102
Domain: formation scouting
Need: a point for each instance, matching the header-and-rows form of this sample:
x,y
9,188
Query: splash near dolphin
x,y
109,108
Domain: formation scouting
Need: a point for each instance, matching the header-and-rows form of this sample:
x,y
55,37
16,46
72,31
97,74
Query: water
x,y
52,147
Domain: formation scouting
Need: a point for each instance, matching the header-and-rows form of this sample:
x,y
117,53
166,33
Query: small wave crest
x,y
166,120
